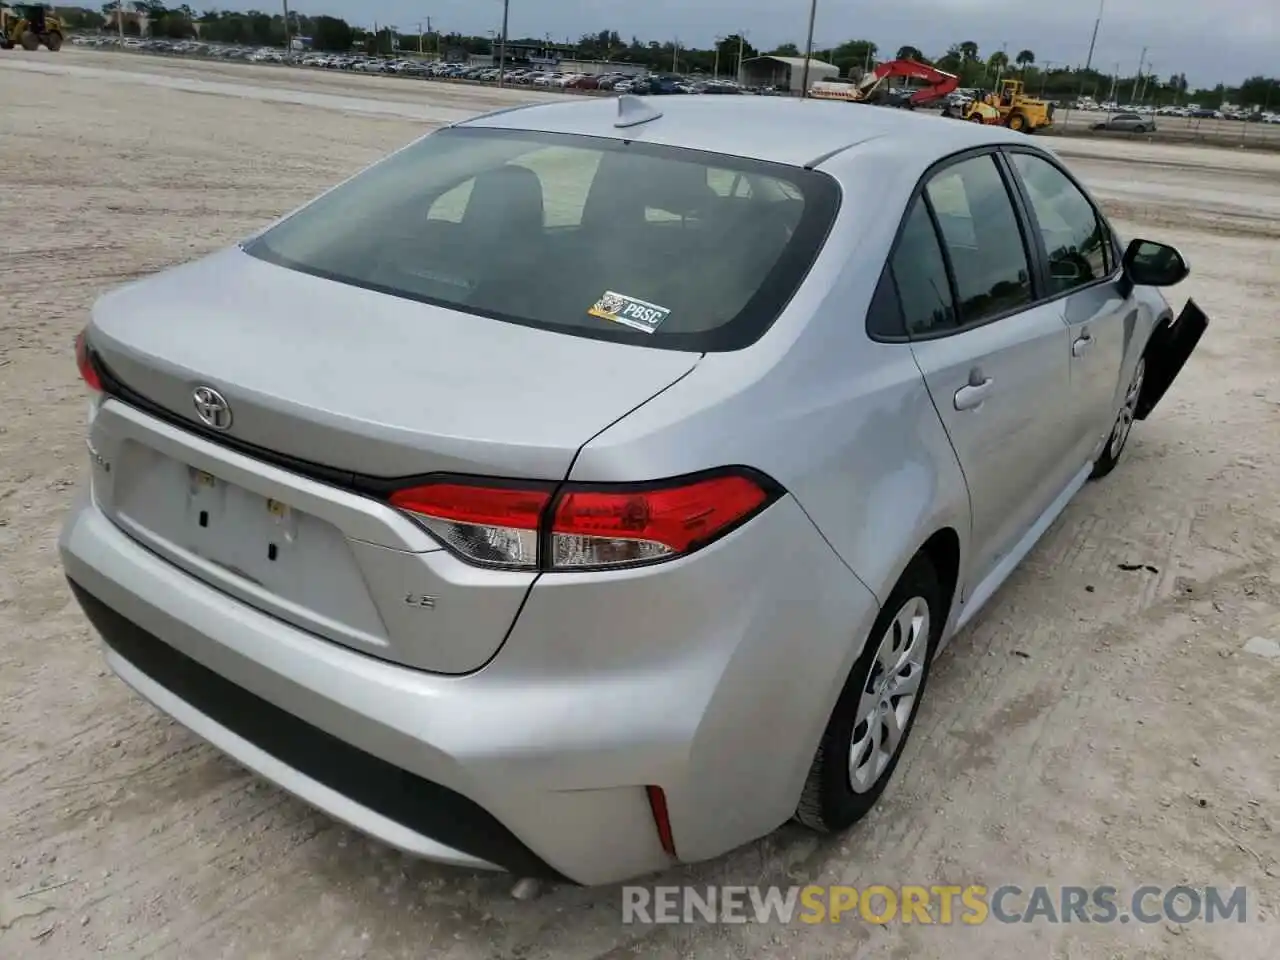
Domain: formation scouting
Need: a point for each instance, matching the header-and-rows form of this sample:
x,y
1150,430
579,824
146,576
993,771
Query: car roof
x,y
789,130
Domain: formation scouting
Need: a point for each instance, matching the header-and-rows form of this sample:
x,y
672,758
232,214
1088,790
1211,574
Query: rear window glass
x,y
588,236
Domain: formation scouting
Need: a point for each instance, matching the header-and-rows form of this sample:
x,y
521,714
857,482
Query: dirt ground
x,y
1098,725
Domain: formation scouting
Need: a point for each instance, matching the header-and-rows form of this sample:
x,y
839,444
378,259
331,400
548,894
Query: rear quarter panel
x,y
844,423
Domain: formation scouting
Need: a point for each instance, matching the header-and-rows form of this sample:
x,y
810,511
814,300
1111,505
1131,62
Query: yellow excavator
x,y
28,25
1011,107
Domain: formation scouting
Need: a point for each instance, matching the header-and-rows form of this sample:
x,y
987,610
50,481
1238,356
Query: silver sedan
x,y
1129,122
588,487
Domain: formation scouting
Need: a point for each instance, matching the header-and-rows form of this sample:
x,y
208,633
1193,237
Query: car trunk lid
x,y
335,391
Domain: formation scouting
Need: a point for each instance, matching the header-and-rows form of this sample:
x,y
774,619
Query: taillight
x,y
595,526
604,528
88,373
495,526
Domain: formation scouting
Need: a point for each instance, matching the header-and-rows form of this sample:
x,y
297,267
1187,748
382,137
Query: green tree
x,y
1025,58
968,51
332,35
952,61
785,50
854,56
1260,92
909,52
82,19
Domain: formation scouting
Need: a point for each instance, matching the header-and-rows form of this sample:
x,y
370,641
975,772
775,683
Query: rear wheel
x,y
1017,121
30,41
1139,129
53,41
873,717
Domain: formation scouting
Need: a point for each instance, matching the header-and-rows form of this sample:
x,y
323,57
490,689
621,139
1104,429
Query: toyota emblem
x,y
212,408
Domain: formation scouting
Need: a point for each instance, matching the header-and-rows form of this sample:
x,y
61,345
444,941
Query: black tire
x,y
829,803
1113,452
30,41
1139,129
53,41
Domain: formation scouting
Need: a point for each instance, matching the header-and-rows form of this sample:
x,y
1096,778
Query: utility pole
x,y
808,49
741,42
502,44
288,36
1142,60
675,56
715,71
1094,40
120,21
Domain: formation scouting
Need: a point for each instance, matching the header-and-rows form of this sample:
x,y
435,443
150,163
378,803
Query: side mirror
x,y
1151,264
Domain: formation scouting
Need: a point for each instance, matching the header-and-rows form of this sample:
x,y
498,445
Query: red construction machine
x,y
873,89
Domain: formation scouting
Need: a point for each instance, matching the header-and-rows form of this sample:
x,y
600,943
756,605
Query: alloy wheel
x,y
890,695
1128,411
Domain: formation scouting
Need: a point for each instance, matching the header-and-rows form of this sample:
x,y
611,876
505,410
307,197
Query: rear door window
x,y
921,277
983,239
590,236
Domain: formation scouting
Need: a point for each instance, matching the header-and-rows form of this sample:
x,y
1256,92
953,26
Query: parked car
x,y
1132,122
590,546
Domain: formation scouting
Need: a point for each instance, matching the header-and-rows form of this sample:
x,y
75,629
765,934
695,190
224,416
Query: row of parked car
x,y
1190,111
518,76
402,66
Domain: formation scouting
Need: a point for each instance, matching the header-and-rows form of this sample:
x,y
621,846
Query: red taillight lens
x,y
590,527
87,371
605,528
490,525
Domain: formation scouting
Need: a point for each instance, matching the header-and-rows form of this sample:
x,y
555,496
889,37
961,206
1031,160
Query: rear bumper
x,y
351,785
538,763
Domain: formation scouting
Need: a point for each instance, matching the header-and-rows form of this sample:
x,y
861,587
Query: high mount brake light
x,y
88,373
596,526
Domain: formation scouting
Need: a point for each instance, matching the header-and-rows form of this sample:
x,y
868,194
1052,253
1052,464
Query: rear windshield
x,y
589,236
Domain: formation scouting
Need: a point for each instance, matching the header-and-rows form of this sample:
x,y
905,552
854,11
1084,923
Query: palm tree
x,y
910,53
968,51
998,61
1025,58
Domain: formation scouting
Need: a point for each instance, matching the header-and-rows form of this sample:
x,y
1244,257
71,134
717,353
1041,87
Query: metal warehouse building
x,y
785,73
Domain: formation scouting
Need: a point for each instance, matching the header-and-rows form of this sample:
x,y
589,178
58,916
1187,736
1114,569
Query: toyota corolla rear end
x,y
334,524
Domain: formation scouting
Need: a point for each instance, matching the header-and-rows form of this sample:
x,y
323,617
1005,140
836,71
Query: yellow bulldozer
x,y
28,25
1011,107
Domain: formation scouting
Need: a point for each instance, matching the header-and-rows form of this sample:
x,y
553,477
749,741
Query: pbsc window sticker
x,y
629,311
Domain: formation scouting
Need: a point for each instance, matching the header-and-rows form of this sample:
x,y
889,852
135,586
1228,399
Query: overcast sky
x,y
1209,40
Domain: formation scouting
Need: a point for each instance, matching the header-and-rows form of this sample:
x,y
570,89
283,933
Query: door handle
x,y
1082,345
971,396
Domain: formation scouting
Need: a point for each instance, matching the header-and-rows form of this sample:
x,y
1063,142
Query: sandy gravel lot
x,y
1098,725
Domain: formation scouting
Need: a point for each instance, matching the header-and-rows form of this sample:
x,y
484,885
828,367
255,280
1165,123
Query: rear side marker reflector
x,y
582,527
661,819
